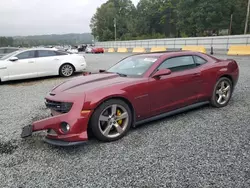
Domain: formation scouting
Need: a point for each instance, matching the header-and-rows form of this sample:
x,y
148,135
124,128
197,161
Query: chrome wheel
x,y
113,121
223,92
67,70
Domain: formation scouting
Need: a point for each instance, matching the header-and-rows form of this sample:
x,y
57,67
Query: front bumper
x,y
27,131
76,118
62,143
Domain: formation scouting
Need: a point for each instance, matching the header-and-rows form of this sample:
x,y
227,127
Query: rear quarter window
x,y
199,60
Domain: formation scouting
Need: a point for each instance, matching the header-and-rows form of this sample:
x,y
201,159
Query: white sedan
x,y
31,63
73,50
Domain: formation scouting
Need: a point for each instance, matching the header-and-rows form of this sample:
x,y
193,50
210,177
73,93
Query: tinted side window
x,y
46,53
60,53
199,60
26,55
178,63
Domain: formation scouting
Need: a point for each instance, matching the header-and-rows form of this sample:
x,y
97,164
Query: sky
x,y
38,17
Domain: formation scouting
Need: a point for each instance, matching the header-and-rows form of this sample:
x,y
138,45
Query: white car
x,y
73,50
31,63
88,49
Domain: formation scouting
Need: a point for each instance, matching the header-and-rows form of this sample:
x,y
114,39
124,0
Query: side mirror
x,y
13,59
162,72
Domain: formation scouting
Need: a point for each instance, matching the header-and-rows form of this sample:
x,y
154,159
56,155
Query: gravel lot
x,y
206,147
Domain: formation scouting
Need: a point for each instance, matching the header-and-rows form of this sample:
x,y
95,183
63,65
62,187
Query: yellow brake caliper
x,y
118,113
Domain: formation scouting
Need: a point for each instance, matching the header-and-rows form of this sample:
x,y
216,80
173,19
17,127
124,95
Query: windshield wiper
x,y
120,74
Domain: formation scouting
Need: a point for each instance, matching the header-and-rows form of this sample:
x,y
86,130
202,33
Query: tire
x,y
111,128
225,93
66,70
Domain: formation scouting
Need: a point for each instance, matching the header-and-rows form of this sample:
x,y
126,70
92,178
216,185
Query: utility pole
x,y
246,24
231,22
115,27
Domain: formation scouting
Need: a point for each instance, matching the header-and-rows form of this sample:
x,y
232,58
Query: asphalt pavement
x,y
206,147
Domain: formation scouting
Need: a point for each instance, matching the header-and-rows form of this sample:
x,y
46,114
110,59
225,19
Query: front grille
x,y
61,107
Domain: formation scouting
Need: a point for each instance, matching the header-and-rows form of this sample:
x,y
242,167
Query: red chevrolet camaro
x,y
136,90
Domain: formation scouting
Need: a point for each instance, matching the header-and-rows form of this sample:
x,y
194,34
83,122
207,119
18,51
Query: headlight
x,y
66,107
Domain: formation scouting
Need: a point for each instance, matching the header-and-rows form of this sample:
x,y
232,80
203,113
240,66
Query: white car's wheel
x,y
66,70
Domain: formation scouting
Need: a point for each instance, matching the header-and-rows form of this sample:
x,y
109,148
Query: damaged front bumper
x,y
65,129
28,130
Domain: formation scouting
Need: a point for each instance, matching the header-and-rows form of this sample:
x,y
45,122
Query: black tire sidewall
x,y
60,70
213,101
94,122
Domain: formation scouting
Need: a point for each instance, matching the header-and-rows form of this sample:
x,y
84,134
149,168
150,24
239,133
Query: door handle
x,y
31,62
56,59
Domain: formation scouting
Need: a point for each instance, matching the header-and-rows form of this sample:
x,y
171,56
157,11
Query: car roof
x,y
167,53
40,48
150,54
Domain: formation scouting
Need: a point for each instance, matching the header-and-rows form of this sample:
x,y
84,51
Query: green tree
x,y
102,23
6,41
150,19
155,18
214,15
167,18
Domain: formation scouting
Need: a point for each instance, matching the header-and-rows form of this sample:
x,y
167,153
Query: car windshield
x,y
133,66
8,55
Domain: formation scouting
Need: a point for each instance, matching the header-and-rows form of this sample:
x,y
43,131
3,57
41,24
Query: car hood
x,y
82,84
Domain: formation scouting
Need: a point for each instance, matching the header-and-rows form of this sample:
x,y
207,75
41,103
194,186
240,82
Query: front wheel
x,y
222,92
66,70
111,120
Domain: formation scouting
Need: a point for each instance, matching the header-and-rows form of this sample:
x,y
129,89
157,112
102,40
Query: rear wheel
x,y
66,70
111,120
222,92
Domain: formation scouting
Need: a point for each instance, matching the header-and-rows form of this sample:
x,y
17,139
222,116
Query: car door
x,y
179,89
47,62
24,67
